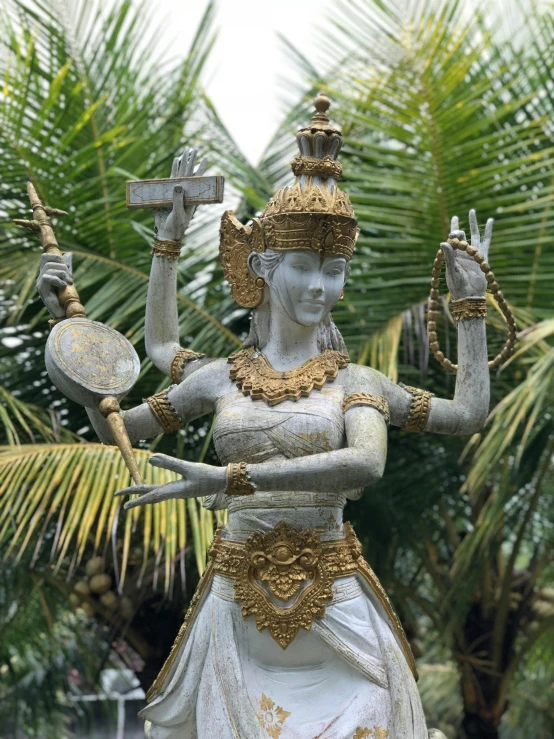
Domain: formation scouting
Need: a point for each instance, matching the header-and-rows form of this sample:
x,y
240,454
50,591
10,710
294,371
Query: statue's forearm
x,y
468,411
140,423
342,470
338,471
162,320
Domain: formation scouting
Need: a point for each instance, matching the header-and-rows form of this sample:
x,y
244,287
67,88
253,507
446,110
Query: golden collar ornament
x,y
312,213
253,374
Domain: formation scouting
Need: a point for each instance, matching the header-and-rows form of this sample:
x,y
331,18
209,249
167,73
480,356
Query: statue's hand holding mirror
x,y
92,364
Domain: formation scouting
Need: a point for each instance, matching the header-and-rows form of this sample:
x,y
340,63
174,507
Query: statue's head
x,y
300,283
295,256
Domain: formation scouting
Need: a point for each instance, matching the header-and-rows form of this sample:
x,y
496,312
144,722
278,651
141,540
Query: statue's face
x,y
306,287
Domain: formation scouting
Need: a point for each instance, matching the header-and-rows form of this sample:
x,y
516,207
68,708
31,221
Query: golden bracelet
x,y
374,401
178,362
165,413
167,248
238,482
468,308
420,408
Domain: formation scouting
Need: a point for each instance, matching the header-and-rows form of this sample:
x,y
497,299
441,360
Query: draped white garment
x,y
347,678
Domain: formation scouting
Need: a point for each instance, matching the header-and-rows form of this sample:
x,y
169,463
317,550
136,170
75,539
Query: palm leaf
x,y
17,417
436,122
58,501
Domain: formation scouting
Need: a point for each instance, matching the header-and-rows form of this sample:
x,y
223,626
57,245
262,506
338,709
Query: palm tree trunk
x,y
475,727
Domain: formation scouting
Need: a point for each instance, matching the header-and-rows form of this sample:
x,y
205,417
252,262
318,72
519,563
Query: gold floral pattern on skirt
x,y
367,733
271,717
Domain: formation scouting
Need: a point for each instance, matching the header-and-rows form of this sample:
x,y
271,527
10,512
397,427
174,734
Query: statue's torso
x,y
251,431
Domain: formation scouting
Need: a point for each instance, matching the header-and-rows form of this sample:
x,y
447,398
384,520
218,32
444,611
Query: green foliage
x,y
46,654
442,110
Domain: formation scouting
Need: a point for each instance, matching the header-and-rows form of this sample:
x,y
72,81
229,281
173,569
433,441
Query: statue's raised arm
x,y
162,321
467,275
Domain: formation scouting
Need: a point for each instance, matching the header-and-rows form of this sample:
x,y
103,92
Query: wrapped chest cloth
x,y
289,636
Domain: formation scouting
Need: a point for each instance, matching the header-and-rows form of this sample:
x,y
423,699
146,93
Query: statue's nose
x,y
316,286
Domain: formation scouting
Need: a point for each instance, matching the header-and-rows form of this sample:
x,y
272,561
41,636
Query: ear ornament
x,y
236,243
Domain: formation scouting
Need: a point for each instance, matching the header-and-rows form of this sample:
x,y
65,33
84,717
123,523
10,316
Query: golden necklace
x,y
256,377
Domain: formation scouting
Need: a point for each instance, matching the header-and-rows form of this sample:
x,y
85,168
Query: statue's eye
x,y
334,272
300,267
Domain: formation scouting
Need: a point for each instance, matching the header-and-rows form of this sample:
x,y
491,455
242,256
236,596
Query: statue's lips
x,y
313,302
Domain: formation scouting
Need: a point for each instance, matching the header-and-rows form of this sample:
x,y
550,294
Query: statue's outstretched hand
x,y
198,480
55,273
172,224
464,276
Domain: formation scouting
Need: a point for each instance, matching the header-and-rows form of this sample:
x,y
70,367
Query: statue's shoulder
x,y
361,379
207,375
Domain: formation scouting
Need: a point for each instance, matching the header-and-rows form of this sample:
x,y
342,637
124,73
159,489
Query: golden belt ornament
x,y
297,569
294,567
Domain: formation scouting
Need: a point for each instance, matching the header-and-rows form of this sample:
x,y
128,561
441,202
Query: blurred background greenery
x,y
442,110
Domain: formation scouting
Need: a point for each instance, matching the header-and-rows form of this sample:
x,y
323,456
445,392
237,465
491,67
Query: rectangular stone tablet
x,y
159,193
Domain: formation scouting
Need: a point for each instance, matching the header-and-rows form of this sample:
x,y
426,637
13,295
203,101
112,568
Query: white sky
x,y
249,65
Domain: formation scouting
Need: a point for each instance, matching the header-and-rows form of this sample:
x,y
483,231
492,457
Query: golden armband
x,y
238,481
374,401
167,248
420,408
179,361
167,416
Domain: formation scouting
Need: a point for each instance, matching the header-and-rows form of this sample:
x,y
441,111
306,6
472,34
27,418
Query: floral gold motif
x,y
254,375
283,560
308,201
271,717
322,233
292,566
375,733
379,402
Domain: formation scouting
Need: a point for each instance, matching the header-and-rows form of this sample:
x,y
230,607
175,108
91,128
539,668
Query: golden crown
x,y
313,213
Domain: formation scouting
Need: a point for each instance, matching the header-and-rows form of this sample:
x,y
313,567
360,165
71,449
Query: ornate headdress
x,y
310,214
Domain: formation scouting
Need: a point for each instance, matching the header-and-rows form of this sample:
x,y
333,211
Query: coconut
x,y
94,566
82,587
100,583
109,600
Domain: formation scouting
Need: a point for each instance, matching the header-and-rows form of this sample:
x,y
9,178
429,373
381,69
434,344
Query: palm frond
x,y
58,502
18,418
523,413
437,122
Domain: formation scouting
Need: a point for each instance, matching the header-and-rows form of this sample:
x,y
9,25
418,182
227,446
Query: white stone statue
x,y
289,635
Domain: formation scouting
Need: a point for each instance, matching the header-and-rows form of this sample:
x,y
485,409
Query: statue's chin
x,y
308,315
